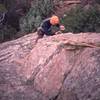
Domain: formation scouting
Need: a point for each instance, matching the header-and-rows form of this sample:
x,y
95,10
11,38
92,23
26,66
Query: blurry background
x,y
21,17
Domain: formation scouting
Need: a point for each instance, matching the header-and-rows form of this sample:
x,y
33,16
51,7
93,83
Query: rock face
x,y
61,67
65,5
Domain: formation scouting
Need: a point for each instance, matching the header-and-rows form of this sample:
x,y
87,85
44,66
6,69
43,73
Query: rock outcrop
x,y
60,67
65,5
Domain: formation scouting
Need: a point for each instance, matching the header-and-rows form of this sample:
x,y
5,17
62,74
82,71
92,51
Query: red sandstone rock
x,y
60,67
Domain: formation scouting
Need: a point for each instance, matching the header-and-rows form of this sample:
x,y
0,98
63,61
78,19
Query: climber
x,y
45,27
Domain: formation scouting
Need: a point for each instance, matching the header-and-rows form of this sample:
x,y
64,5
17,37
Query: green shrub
x,y
82,20
2,8
40,10
7,33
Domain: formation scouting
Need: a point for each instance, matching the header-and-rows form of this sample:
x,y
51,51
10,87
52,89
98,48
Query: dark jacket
x,y
46,26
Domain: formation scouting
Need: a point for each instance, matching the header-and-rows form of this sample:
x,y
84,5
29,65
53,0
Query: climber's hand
x,y
62,28
58,32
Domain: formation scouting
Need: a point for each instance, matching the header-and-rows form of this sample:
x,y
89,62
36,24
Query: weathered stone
x,y
60,67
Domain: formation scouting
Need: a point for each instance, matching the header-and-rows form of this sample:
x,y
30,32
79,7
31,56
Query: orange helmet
x,y
54,20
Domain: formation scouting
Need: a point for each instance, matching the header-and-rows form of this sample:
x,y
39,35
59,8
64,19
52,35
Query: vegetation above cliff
x,y
26,15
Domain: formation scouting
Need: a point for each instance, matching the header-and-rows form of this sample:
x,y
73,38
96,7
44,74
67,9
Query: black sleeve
x,y
44,22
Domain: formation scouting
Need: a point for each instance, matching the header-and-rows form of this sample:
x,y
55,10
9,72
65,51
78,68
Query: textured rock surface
x,y
61,67
65,5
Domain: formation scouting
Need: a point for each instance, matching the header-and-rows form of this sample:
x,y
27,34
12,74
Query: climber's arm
x,y
61,27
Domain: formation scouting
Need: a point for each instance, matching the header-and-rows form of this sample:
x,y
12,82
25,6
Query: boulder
x,y
59,67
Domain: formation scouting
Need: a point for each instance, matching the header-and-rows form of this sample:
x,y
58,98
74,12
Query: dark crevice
x,y
5,58
66,75
30,81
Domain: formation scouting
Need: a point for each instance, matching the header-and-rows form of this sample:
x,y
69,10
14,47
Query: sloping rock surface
x,y
60,67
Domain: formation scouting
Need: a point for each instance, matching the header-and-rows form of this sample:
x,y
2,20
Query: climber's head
x,y
54,20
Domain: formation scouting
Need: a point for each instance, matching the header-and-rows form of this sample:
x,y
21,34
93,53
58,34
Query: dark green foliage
x,y
7,33
9,21
40,9
9,27
82,20
2,8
